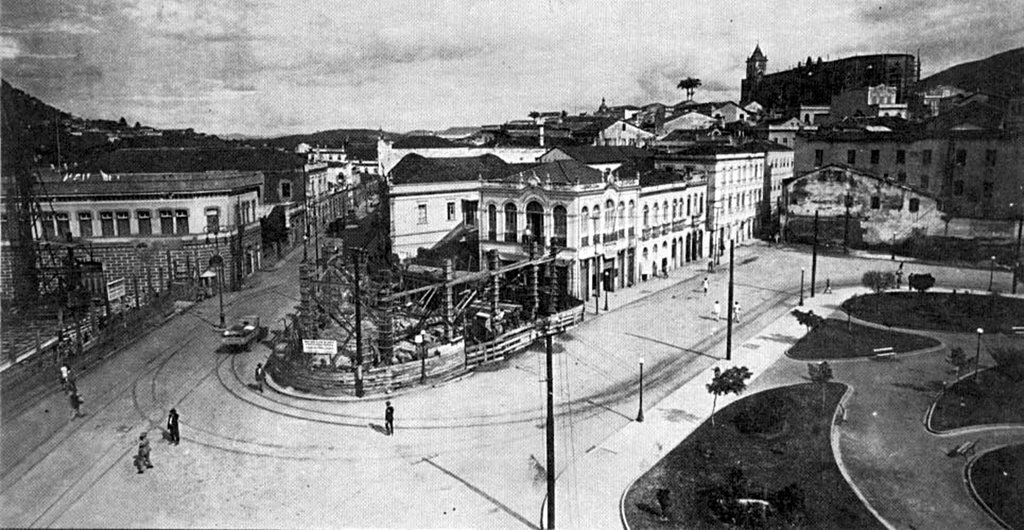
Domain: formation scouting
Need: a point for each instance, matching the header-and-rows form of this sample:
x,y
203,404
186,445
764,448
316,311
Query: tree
x,y
921,282
878,281
958,359
122,122
731,381
821,374
690,85
808,319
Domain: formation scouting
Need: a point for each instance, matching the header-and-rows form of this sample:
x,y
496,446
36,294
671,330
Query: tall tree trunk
x,y
714,403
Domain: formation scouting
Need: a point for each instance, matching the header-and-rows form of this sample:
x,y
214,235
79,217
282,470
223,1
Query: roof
x,y
657,177
588,154
193,160
459,131
711,149
102,184
416,169
422,142
757,52
560,172
765,145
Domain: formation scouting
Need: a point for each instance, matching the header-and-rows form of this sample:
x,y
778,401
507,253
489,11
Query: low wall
x,y
444,362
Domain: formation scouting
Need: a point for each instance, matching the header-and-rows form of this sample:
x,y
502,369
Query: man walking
x,y
142,457
736,310
389,419
259,377
705,286
172,427
716,311
76,403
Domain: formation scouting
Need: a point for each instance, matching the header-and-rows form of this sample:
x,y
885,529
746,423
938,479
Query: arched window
x,y
621,223
655,218
632,217
609,216
511,223
597,223
674,207
688,210
647,220
561,227
535,220
585,222
664,212
492,222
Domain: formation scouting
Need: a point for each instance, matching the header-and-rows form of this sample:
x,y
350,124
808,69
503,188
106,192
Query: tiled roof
x,y
657,177
416,169
588,154
193,160
560,172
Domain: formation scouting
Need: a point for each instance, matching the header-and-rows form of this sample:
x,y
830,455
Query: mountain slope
x,y
1001,74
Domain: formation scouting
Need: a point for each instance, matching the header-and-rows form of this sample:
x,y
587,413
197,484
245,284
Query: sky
x,y
267,67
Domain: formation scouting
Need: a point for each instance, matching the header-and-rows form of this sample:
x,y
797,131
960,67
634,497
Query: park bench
x,y
965,449
1017,330
884,353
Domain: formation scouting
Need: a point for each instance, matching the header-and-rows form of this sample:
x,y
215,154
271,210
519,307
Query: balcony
x,y
597,239
585,241
539,240
510,237
678,226
559,242
622,233
645,234
632,231
611,237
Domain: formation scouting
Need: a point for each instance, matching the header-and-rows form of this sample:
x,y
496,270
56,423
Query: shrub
x,y
878,281
788,500
1009,361
763,419
921,282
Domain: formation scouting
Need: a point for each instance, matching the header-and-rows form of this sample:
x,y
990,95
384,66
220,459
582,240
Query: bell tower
x,y
757,66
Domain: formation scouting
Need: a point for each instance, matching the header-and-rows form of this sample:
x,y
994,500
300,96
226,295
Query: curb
x,y
974,493
970,429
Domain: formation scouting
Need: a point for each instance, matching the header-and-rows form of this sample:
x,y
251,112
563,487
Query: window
x,y
851,156
561,226
986,189
819,157
961,157
958,187
286,190
213,219
107,224
492,223
990,157
451,211
511,223
421,214
688,204
875,156
915,205
63,224
647,220
145,221
926,157
46,220
180,221
901,177
924,181
876,202
596,219
901,156
124,223
166,222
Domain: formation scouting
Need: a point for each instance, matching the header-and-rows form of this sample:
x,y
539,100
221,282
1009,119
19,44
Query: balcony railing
x,y
610,237
510,237
645,233
537,239
632,231
597,239
622,233
678,226
492,235
559,241
585,241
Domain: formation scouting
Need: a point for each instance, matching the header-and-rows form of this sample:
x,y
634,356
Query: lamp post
x,y
977,355
640,413
418,339
217,261
893,247
801,286
606,283
991,272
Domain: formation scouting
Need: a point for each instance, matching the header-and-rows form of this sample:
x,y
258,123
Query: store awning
x,y
208,274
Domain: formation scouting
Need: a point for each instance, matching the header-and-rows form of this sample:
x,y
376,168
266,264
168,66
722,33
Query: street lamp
x,y
418,339
977,355
607,282
217,261
801,286
640,413
991,272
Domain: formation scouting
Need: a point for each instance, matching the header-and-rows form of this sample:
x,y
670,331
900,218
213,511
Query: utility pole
x,y
814,254
728,325
1016,256
550,429
846,225
357,261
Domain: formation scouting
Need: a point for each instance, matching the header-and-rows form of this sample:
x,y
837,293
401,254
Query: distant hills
x,y
1001,74
329,138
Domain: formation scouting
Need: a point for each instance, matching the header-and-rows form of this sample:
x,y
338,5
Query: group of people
x,y
173,435
716,310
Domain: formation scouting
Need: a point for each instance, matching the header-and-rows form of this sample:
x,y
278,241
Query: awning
x,y
208,274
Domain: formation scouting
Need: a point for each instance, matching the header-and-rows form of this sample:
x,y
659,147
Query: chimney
x,y
541,135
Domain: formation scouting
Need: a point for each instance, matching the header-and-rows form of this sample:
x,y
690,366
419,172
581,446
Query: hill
x,y
329,138
1001,74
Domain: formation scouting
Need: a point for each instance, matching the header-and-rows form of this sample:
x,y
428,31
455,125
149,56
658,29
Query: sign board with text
x,y
115,289
321,346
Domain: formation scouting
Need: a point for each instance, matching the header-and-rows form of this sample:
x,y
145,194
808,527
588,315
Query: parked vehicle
x,y
242,334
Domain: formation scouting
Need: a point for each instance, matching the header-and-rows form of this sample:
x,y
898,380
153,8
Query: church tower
x,y
757,66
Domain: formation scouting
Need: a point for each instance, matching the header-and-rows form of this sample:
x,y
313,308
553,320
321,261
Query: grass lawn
x,y
831,340
939,311
998,477
775,446
996,398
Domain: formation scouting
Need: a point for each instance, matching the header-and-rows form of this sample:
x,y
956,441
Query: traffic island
x,y
997,483
767,462
946,312
838,339
993,397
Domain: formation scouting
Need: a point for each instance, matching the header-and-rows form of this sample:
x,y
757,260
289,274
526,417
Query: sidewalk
x,y
607,470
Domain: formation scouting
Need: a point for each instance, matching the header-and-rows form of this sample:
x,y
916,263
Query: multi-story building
x,y
873,101
973,173
671,221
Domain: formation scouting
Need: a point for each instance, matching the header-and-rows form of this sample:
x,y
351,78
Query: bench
x,y
884,353
1017,330
965,449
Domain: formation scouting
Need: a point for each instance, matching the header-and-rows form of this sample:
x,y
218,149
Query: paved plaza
x,y
470,452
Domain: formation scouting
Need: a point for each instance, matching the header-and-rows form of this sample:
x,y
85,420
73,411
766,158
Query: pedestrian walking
x,y
76,403
173,433
736,310
828,286
389,419
716,311
704,285
142,457
260,376
65,376
711,265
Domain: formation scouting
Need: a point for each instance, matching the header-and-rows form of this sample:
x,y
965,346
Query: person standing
x,y
736,310
76,403
716,311
142,457
172,427
704,285
259,377
389,419
65,376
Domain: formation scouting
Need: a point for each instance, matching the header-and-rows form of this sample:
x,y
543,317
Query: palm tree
x,y
690,85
